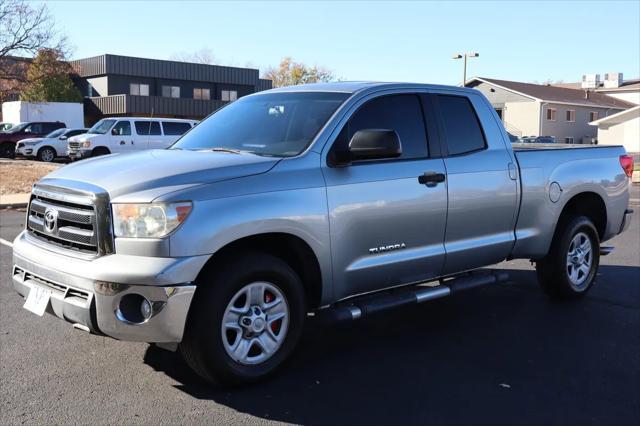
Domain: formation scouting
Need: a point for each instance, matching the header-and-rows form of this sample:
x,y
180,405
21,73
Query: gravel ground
x,y
17,176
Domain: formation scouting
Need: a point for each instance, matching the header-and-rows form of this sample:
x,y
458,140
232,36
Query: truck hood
x,y
145,175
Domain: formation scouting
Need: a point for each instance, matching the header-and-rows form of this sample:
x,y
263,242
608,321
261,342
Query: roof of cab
x,y
356,86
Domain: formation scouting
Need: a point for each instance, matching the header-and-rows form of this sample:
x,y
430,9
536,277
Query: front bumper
x,y
88,293
24,151
79,153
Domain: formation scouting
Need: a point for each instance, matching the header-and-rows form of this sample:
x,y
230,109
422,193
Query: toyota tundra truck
x,y
333,200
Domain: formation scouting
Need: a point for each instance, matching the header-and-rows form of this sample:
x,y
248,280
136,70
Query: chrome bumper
x,y
78,153
92,300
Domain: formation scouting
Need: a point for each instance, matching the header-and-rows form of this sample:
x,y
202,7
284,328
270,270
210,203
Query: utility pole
x,y
465,56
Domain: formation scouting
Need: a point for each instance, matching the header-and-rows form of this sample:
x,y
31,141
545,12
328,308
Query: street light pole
x,y
465,56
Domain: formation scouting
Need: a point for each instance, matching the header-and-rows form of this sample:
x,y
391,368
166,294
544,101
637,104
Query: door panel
x,y
379,205
482,199
482,195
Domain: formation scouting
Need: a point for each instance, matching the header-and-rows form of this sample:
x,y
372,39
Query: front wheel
x,y
46,154
245,320
569,269
7,150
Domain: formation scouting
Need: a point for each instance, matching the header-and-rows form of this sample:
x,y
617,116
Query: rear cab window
x,y
402,113
151,128
461,125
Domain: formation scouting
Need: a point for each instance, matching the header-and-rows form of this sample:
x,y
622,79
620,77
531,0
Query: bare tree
x,y
24,30
202,56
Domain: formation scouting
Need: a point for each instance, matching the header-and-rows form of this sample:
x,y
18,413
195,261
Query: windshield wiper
x,y
231,150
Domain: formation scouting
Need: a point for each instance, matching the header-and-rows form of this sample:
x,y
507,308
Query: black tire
x,y
99,151
202,346
46,154
7,150
553,270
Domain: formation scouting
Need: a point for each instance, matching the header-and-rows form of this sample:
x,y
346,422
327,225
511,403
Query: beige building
x,y
543,110
622,128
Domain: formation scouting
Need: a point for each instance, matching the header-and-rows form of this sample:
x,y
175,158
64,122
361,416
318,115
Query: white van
x,y
127,134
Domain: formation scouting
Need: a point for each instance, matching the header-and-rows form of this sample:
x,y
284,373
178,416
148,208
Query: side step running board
x,y
605,250
377,302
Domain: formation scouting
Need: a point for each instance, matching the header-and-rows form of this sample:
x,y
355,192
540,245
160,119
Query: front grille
x,y
74,145
66,223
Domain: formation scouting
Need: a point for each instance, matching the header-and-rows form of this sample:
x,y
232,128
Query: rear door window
x,y
461,125
175,128
144,128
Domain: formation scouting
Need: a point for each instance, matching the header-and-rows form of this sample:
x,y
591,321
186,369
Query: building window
x,y
568,140
571,115
138,89
593,116
171,91
202,94
551,114
229,95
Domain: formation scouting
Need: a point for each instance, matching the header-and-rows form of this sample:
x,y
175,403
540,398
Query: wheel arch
x,y
101,148
589,204
288,247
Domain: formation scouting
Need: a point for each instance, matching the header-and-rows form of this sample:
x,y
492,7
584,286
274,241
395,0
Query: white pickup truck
x,y
339,199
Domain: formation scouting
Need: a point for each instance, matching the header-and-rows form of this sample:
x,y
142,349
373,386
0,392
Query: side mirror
x,y
63,138
374,144
114,132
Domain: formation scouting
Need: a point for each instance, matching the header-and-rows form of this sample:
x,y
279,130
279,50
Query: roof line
x,y
505,88
616,115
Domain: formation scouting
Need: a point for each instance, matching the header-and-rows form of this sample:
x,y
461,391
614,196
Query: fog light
x,y
145,309
134,309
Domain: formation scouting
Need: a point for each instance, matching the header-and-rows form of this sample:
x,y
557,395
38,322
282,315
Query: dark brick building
x,y
123,85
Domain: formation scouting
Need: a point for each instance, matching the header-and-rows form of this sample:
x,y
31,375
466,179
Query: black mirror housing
x,y
374,144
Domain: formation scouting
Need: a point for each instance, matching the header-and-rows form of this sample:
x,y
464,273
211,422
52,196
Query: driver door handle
x,y
431,179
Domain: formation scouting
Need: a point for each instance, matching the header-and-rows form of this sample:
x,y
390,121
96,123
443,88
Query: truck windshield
x,y
273,124
101,127
56,133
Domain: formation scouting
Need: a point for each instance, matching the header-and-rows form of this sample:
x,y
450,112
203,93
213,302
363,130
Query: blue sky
x,y
391,41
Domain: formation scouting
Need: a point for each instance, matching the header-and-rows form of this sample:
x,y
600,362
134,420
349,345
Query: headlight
x,y
85,144
152,220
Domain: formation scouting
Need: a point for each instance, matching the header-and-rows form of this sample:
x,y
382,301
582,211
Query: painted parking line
x,y
6,243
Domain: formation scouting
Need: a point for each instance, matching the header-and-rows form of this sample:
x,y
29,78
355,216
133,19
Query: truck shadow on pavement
x,y
500,354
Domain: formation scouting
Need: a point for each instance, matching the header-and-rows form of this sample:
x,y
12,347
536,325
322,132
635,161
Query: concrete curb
x,y
14,201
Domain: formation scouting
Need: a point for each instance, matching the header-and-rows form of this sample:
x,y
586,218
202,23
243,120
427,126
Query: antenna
x,y
149,130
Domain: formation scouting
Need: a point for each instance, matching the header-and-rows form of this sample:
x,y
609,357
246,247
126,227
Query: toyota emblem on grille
x,y
50,220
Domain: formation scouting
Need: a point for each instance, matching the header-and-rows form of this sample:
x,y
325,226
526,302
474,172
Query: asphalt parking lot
x,y
496,355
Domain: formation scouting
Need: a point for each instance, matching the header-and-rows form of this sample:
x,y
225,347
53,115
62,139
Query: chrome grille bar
x,y
71,216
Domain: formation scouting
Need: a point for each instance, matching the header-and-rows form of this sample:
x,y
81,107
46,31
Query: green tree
x,y
48,79
290,73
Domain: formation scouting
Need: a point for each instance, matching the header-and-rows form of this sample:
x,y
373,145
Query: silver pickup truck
x,y
335,200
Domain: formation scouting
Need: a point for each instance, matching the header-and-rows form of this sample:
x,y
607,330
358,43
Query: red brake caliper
x,y
268,298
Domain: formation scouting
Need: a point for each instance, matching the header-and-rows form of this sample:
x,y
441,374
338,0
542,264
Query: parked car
x,y
49,147
338,199
537,139
127,134
33,129
5,126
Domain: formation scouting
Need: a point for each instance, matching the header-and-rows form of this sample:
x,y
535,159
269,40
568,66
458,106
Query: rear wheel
x,y
7,150
570,268
245,320
46,154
